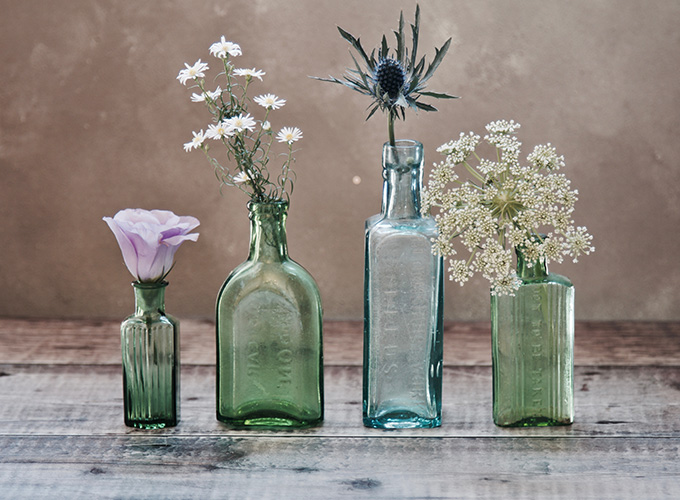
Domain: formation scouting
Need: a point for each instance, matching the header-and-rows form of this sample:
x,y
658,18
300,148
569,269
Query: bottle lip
x,y
404,144
268,206
149,285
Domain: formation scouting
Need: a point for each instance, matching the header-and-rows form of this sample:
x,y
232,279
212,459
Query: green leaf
x,y
415,28
425,107
439,55
385,49
356,43
439,95
376,106
400,38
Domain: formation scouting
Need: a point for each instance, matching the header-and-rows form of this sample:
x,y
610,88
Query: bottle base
x,y
269,420
401,420
151,424
533,422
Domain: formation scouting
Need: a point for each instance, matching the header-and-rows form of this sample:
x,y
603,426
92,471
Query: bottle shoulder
x,y
549,279
381,225
149,320
285,277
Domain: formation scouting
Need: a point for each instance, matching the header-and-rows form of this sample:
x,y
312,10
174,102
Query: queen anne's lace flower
x,y
504,205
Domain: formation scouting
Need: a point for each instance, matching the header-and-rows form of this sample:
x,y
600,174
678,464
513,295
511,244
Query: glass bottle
x,y
269,334
403,302
151,364
532,336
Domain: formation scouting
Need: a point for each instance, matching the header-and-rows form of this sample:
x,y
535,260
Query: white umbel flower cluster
x,y
501,206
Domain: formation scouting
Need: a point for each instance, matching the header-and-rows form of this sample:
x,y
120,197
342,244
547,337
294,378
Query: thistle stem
x,y
390,128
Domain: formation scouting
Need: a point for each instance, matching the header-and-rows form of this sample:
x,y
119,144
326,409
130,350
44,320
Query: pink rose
x,y
149,240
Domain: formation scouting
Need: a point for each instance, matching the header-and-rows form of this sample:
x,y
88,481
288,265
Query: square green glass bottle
x,y
532,335
151,361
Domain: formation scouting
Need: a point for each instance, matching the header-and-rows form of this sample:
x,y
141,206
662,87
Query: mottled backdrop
x,y
92,120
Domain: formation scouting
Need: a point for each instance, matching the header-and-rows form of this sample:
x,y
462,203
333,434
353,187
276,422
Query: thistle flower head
x,y
390,77
395,79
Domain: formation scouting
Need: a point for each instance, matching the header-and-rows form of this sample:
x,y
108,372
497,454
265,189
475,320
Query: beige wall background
x,y
92,120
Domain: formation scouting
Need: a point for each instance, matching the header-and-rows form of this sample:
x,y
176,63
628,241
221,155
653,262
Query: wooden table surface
x,y
62,432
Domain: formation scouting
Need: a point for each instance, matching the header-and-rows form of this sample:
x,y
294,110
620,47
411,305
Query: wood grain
x,y
610,401
466,344
62,435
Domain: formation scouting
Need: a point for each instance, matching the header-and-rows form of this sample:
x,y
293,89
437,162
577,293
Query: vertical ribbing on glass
x,y
532,351
150,374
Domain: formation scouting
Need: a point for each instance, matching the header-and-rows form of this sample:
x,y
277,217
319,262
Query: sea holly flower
x,y
493,206
269,101
148,240
223,49
289,135
250,73
192,72
196,142
248,138
394,80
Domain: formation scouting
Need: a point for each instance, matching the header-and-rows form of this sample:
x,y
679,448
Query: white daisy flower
x,y
250,73
218,131
266,126
269,101
240,123
212,95
240,178
223,47
196,142
192,72
289,135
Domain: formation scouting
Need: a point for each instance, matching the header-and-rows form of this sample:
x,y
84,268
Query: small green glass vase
x,y
269,334
532,341
151,364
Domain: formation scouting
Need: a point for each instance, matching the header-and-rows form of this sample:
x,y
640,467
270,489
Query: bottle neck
x,y
268,231
149,298
403,177
538,269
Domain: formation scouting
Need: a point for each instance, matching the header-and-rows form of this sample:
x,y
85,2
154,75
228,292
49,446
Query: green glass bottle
x,y
269,334
532,336
151,364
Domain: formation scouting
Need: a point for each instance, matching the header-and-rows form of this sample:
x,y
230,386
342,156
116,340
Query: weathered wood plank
x,y
304,467
468,344
76,400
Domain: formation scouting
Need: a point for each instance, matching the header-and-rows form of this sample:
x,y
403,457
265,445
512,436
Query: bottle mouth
x,y
401,144
149,285
404,156
271,207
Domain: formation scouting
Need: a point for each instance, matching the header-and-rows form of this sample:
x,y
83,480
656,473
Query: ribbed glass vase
x,y
269,334
151,361
403,302
532,336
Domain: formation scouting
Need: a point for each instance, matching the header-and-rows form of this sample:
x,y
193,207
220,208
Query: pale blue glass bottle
x,y
532,347
403,302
